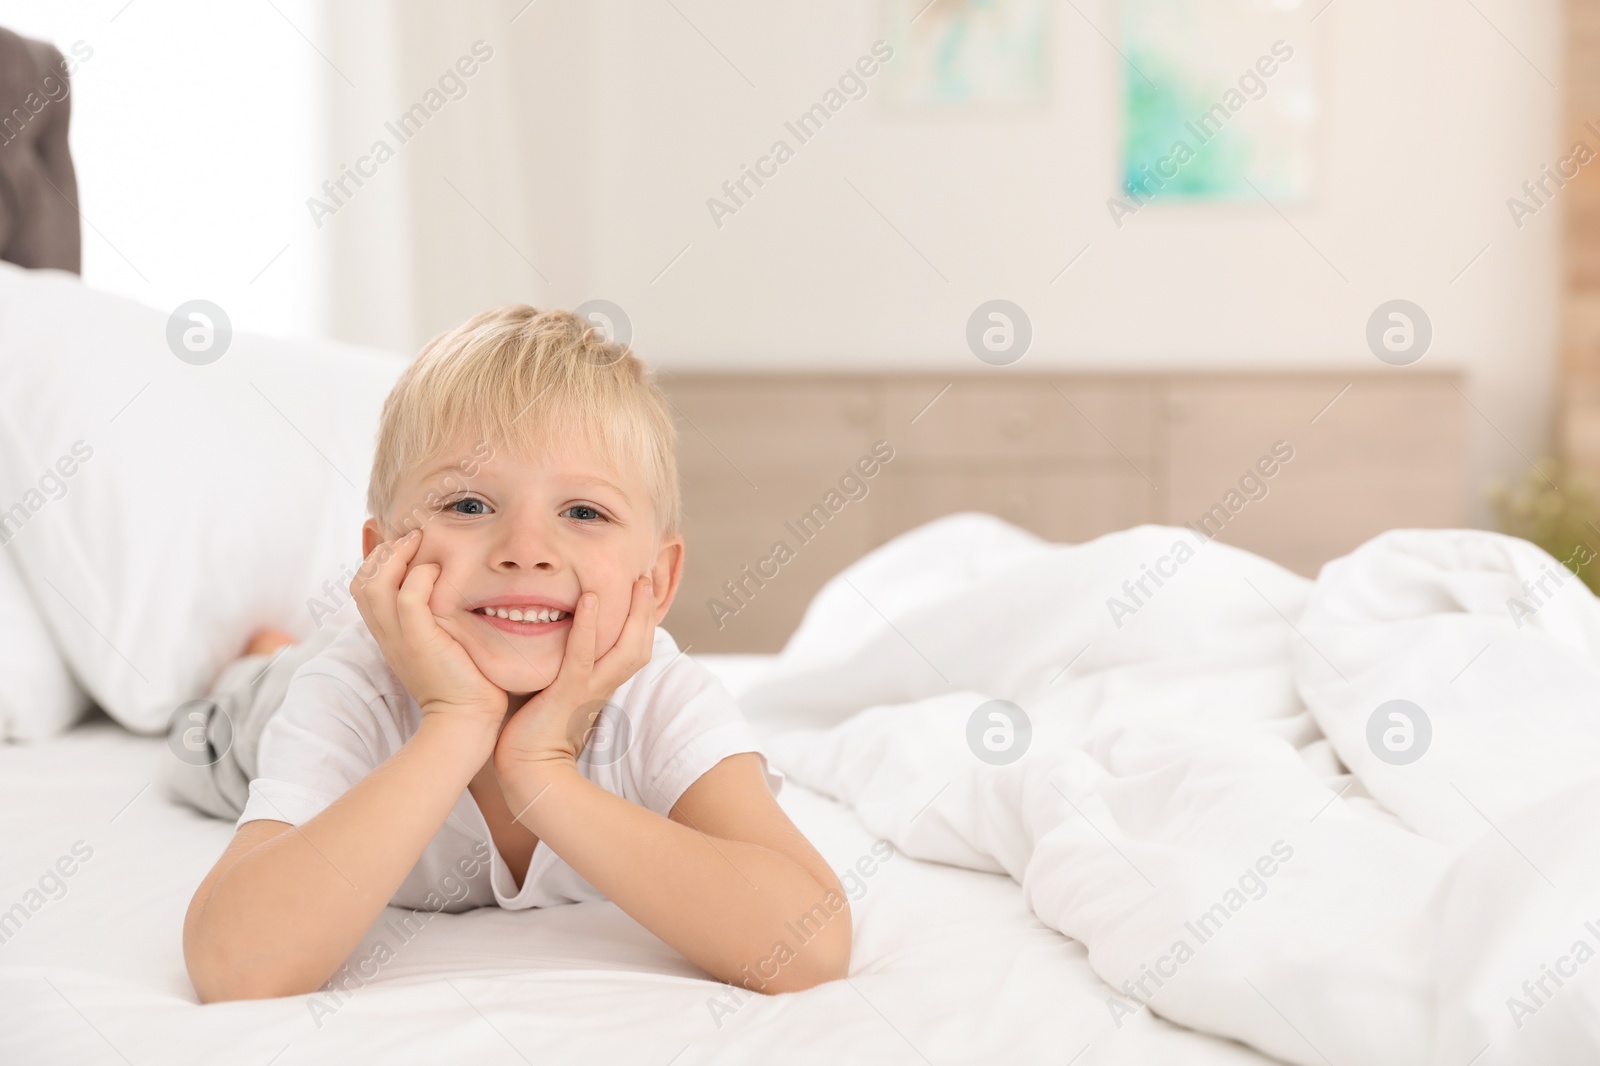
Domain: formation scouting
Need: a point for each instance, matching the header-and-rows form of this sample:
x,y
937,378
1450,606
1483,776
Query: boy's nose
x,y
513,564
525,547
524,559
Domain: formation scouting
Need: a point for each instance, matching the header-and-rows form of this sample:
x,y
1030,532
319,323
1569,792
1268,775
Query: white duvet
x,y
1205,799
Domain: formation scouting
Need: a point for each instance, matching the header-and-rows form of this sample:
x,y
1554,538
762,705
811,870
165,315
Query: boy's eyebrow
x,y
601,481
580,479
452,465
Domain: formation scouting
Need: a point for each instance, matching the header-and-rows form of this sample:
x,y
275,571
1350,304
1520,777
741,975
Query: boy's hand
x,y
556,723
393,599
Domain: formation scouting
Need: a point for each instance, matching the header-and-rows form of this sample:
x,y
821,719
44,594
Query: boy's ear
x,y
371,537
666,573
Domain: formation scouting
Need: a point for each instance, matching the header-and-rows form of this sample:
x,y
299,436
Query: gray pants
x,y
214,741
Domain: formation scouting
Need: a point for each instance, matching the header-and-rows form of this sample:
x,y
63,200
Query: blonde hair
x,y
523,378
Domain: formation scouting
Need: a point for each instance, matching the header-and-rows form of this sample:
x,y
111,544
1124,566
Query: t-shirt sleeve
x,y
696,723
325,738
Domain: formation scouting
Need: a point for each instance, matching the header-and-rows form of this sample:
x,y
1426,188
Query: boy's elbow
x,y
219,977
797,978
217,989
215,983
824,958
835,966
834,969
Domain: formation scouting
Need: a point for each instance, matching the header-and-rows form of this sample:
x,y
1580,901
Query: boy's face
x,y
528,535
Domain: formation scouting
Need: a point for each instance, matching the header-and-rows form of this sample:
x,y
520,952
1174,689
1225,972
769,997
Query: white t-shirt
x,y
345,713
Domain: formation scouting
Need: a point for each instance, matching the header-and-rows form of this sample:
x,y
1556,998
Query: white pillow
x,y
800,688
169,509
919,565
38,697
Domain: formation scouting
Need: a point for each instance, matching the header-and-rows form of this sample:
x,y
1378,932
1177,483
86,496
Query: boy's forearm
x,y
283,918
744,913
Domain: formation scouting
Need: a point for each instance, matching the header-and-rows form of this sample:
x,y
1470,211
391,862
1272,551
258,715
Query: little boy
x,y
508,717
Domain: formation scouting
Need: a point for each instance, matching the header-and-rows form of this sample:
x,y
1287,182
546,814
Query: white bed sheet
x,y
949,964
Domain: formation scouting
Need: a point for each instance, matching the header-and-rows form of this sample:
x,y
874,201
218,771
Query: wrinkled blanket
x,y
1352,821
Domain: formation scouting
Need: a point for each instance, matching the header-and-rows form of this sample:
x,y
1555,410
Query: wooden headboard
x,y
38,188
1300,468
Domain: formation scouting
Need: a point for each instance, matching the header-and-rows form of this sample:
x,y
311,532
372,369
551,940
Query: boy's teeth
x,y
514,614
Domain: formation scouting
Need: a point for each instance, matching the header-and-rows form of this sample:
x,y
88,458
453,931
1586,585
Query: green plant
x,y
1555,509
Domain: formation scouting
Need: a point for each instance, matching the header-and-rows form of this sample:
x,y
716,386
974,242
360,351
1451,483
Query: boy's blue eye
x,y
470,505
589,513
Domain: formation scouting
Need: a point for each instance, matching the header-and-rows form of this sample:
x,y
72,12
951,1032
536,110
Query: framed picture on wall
x,y
1219,100
966,52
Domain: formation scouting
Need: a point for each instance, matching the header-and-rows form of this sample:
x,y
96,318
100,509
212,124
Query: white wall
x,y
584,152
1431,119
195,132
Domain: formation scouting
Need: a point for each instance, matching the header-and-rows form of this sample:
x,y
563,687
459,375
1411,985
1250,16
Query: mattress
x,y
949,964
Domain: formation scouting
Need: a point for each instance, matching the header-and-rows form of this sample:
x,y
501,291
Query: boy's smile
x,y
524,616
518,539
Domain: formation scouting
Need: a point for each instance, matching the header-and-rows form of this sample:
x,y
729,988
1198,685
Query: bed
x,y
1142,798
949,965
1199,828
